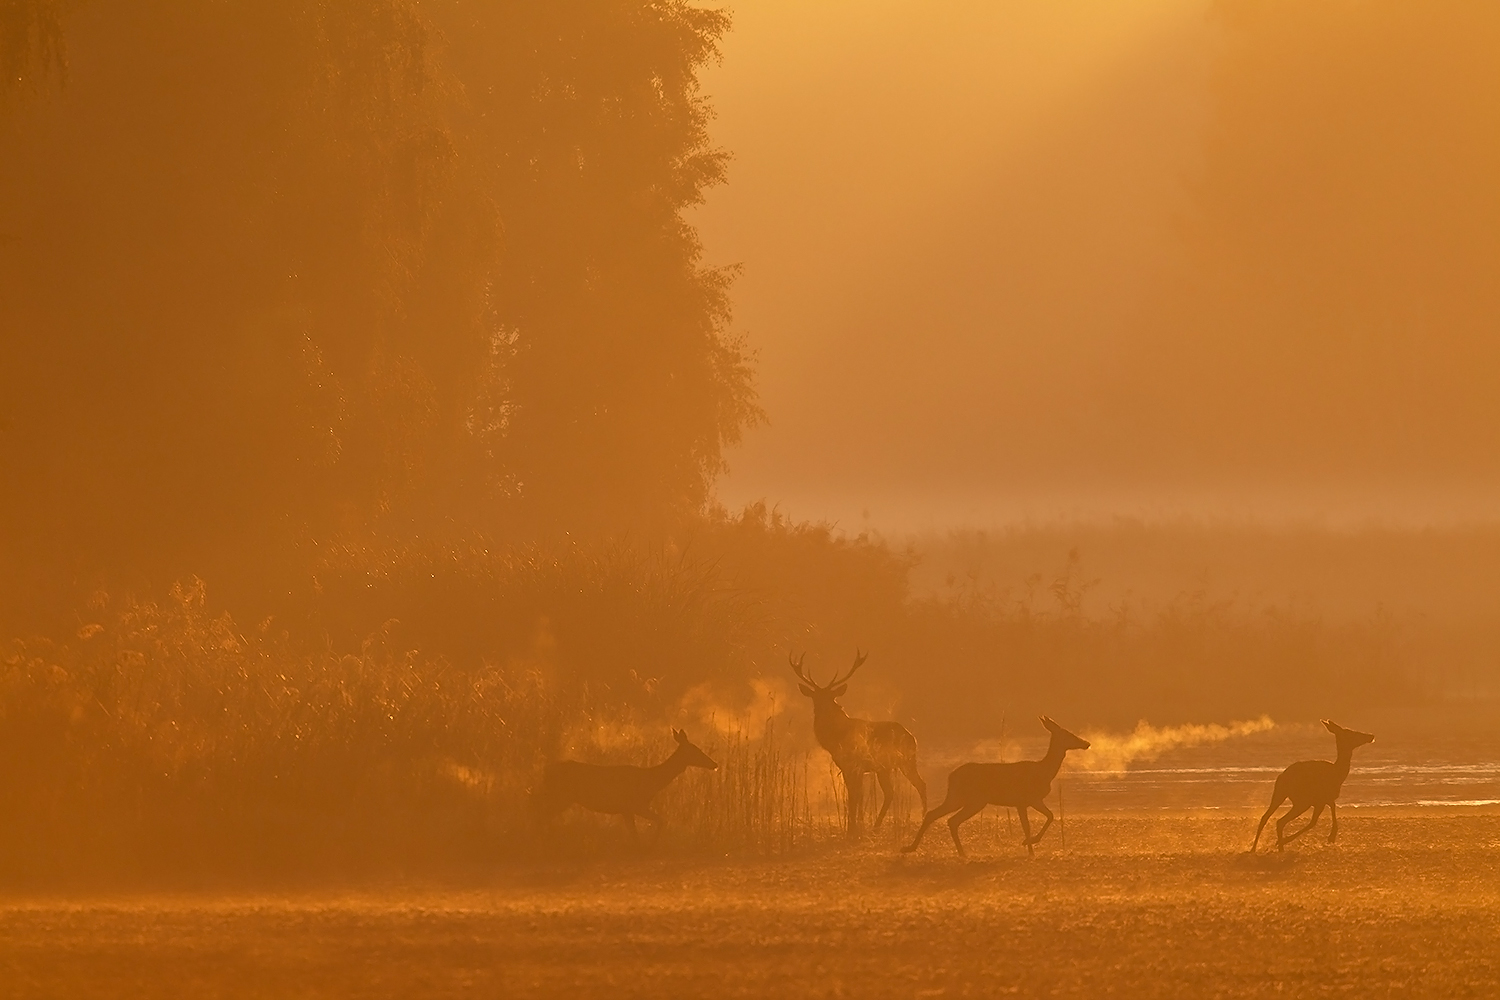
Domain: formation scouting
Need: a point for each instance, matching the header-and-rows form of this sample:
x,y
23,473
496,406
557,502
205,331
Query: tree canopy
x,y
278,271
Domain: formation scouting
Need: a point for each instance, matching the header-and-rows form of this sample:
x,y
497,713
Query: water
x,y
1369,784
1401,770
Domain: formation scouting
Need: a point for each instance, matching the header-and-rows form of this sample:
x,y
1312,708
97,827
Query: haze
x,y
1068,259
552,498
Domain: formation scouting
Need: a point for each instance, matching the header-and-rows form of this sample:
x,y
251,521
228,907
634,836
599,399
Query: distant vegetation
x,y
399,714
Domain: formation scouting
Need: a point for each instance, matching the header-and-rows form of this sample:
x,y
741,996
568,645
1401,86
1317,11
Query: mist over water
x,y
1146,743
1234,766
1420,773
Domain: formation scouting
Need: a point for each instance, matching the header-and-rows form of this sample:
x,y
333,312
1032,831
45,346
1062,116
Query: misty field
x,y
1137,905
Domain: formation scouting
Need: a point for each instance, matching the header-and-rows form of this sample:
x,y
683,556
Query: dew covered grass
x,y
1164,904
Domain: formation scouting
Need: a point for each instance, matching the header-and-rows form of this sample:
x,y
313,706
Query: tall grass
x,y
163,737
770,795
760,799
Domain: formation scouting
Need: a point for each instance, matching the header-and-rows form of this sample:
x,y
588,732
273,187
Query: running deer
x,y
616,789
1022,784
859,746
1312,784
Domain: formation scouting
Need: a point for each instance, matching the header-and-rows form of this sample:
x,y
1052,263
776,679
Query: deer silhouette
x,y
616,789
859,746
1022,784
1312,784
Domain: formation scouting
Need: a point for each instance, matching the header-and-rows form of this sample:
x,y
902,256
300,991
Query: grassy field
x,y
1136,905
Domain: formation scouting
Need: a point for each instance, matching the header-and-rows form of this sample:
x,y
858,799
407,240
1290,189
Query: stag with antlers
x,y
859,746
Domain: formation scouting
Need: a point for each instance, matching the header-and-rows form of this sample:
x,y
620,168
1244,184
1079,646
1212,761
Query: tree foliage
x,y
280,271
30,42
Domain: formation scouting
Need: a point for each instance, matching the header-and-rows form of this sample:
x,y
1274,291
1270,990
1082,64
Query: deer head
x,y
1347,738
1063,737
823,694
694,756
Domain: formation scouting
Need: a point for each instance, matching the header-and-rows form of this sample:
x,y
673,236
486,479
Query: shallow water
x,y
1239,773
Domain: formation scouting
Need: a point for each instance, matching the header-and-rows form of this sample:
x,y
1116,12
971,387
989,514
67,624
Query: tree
x,y
609,334
275,272
30,42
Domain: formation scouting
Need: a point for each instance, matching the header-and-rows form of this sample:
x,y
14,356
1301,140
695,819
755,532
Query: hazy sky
x,y
962,233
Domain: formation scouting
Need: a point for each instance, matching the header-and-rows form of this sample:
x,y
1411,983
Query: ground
x,y
1135,905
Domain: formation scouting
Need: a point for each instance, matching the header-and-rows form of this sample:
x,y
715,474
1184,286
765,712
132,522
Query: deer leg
x,y
1276,802
953,824
1281,823
1317,811
887,790
854,788
1026,830
932,817
1333,811
635,835
1040,807
909,768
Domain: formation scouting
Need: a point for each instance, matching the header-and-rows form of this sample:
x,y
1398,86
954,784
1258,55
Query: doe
x,y
1312,784
1022,784
616,789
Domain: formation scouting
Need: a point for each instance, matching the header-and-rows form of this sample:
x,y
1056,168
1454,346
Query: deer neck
x,y
830,724
1342,761
1052,762
666,772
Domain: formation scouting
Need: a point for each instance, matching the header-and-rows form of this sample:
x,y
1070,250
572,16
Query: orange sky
x,y
965,229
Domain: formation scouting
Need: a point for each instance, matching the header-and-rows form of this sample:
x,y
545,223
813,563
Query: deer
x,y
1313,784
616,789
1023,784
859,746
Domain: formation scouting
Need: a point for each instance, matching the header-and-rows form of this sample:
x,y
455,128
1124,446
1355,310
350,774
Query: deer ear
x,y
679,736
838,692
1332,728
805,690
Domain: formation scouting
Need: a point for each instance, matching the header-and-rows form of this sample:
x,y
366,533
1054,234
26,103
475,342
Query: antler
x,y
796,663
859,659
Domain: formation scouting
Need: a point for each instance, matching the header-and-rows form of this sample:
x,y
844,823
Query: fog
x,y
1232,260
553,497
